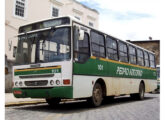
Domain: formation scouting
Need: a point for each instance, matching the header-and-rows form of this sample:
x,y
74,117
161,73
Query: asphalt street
x,y
121,108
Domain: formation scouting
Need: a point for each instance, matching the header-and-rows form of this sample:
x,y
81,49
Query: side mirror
x,y
81,34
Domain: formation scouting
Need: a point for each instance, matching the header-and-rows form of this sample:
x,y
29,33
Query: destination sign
x,y
45,24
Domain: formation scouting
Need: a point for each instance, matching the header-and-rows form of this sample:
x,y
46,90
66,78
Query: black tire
x,y
53,101
97,96
140,95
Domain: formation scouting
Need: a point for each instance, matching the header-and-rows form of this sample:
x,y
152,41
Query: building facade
x,y
20,12
151,45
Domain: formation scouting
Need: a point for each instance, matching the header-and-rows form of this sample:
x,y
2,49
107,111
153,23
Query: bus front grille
x,y
36,83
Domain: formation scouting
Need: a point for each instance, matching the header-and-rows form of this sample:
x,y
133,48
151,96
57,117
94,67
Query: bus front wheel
x,y
53,101
97,96
140,95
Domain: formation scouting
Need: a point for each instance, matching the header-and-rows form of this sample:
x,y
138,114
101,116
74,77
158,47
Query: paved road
x,y
122,108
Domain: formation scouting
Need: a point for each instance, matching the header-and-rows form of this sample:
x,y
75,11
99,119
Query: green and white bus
x,y
61,58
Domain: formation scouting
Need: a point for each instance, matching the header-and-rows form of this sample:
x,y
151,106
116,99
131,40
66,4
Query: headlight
x,y
57,82
51,82
20,83
16,83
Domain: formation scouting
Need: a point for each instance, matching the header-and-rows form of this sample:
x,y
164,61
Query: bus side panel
x,y
82,86
150,85
117,86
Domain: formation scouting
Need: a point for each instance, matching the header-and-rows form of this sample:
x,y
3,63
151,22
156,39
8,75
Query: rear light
x,y
17,92
66,81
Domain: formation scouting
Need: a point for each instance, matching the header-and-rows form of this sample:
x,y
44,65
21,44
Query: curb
x,y
24,103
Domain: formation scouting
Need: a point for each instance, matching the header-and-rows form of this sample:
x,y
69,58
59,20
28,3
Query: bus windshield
x,y
44,46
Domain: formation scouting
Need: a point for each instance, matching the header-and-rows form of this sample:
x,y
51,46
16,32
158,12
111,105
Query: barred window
x,y
152,60
123,52
20,8
91,24
132,54
140,57
55,12
98,47
111,46
146,59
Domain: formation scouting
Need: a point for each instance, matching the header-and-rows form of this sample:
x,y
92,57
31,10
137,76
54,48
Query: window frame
x,y
154,61
91,24
138,49
53,6
126,53
111,48
101,34
130,54
80,52
25,9
146,59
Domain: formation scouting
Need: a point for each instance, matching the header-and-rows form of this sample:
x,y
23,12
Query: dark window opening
x,y
91,24
55,12
123,52
140,57
98,46
146,59
152,60
14,51
132,55
111,46
20,8
81,47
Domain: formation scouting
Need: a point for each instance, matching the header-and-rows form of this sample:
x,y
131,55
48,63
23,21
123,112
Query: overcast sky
x,y
130,19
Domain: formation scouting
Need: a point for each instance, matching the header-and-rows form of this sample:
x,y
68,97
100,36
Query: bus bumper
x,y
56,92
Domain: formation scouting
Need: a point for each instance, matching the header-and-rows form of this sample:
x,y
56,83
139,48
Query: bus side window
x,y
140,57
111,46
152,60
132,55
146,59
123,52
98,46
83,53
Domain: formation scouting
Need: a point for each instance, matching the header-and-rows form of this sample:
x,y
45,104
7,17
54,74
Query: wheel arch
x,y
103,85
142,82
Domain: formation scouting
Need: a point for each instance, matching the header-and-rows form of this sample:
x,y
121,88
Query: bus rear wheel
x,y
53,101
140,95
97,96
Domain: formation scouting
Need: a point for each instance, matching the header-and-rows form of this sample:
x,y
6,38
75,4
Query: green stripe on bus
x,y
59,92
111,69
58,70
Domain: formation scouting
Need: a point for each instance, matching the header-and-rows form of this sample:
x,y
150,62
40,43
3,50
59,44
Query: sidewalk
x,y
10,100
